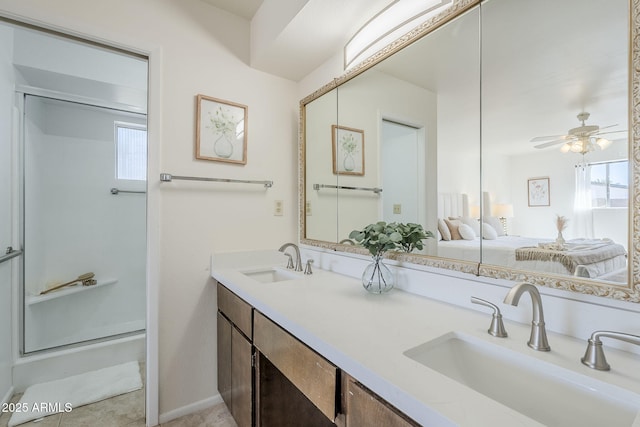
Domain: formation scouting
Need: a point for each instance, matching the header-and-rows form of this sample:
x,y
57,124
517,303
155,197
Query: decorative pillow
x,y
488,232
473,223
466,232
444,230
495,223
453,225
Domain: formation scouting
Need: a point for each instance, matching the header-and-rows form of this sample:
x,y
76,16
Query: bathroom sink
x,y
542,391
272,274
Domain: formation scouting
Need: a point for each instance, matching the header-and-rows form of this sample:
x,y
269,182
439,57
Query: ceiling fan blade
x,y
547,138
606,127
550,143
610,132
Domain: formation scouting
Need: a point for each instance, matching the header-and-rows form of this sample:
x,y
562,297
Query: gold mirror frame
x,y
630,293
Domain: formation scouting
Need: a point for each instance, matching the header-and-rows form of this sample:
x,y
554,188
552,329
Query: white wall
x,y
201,51
363,102
6,114
506,180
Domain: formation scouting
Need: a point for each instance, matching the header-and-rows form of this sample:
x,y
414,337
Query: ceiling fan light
x,y
603,143
577,147
566,147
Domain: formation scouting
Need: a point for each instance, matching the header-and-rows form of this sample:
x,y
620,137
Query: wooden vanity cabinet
x,y
235,355
269,378
295,386
362,407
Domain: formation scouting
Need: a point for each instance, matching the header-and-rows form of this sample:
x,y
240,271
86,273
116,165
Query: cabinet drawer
x,y
314,376
365,408
236,310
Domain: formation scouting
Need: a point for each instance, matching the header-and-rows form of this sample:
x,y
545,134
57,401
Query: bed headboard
x,y
453,205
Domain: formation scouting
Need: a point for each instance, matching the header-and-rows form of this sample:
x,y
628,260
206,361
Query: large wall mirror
x,y
502,117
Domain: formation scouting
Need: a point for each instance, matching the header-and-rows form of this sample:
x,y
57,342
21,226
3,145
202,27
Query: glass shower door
x,y
9,262
84,223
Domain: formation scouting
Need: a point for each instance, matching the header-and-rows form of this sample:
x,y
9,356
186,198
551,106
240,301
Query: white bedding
x,y
501,251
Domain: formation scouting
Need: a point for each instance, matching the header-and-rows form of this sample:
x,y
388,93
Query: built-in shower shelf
x,y
37,299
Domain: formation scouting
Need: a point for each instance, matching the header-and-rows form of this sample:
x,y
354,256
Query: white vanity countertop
x,y
365,335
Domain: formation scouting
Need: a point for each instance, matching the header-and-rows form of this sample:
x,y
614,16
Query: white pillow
x,y
466,232
488,232
495,223
473,223
444,229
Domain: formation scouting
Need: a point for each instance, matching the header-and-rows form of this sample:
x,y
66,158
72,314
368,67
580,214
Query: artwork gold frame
x,y
538,192
348,150
221,130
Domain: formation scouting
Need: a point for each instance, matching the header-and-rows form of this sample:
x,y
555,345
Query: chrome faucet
x,y
594,356
307,269
538,338
497,325
298,266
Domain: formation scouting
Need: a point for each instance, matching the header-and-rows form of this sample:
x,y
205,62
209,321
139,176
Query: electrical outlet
x,y
397,209
278,208
308,208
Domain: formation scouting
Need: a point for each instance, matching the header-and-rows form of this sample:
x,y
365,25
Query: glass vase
x,y
377,278
349,162
223,147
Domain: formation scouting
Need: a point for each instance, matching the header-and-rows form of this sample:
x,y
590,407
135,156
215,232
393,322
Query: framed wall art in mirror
x,y
347,147
538,192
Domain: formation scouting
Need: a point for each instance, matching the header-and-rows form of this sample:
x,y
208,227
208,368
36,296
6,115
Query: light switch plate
x,y
278,208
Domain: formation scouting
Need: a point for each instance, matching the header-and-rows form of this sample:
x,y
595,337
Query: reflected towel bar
x,y
167,177
10,253
342,187
115,191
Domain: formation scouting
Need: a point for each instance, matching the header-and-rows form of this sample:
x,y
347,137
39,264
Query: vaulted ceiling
x,y
293,38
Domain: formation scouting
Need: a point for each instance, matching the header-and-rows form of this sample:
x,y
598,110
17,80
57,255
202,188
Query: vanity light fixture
x,y
389,24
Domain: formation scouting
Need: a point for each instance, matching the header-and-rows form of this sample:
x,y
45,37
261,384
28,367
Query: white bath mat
x,y
66,394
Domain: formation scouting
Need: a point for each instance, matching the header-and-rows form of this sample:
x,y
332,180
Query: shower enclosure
x,y
74,145
84,180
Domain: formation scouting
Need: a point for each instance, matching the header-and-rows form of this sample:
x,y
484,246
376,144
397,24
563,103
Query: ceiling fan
x,y
582,139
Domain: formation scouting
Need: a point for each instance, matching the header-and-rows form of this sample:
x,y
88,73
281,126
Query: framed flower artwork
x,y
539,192
221,130
348,150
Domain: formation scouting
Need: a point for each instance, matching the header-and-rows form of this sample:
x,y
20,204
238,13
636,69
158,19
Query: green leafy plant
x,y
412,236
381,237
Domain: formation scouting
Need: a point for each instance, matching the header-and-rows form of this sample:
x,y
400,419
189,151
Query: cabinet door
x,y
241,379
237,310
364,408
309,372
224,358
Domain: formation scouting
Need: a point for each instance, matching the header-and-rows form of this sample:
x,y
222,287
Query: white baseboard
x,y
190,409
7,397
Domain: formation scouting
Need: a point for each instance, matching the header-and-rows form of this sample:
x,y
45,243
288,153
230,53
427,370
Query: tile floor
x,y
125,410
